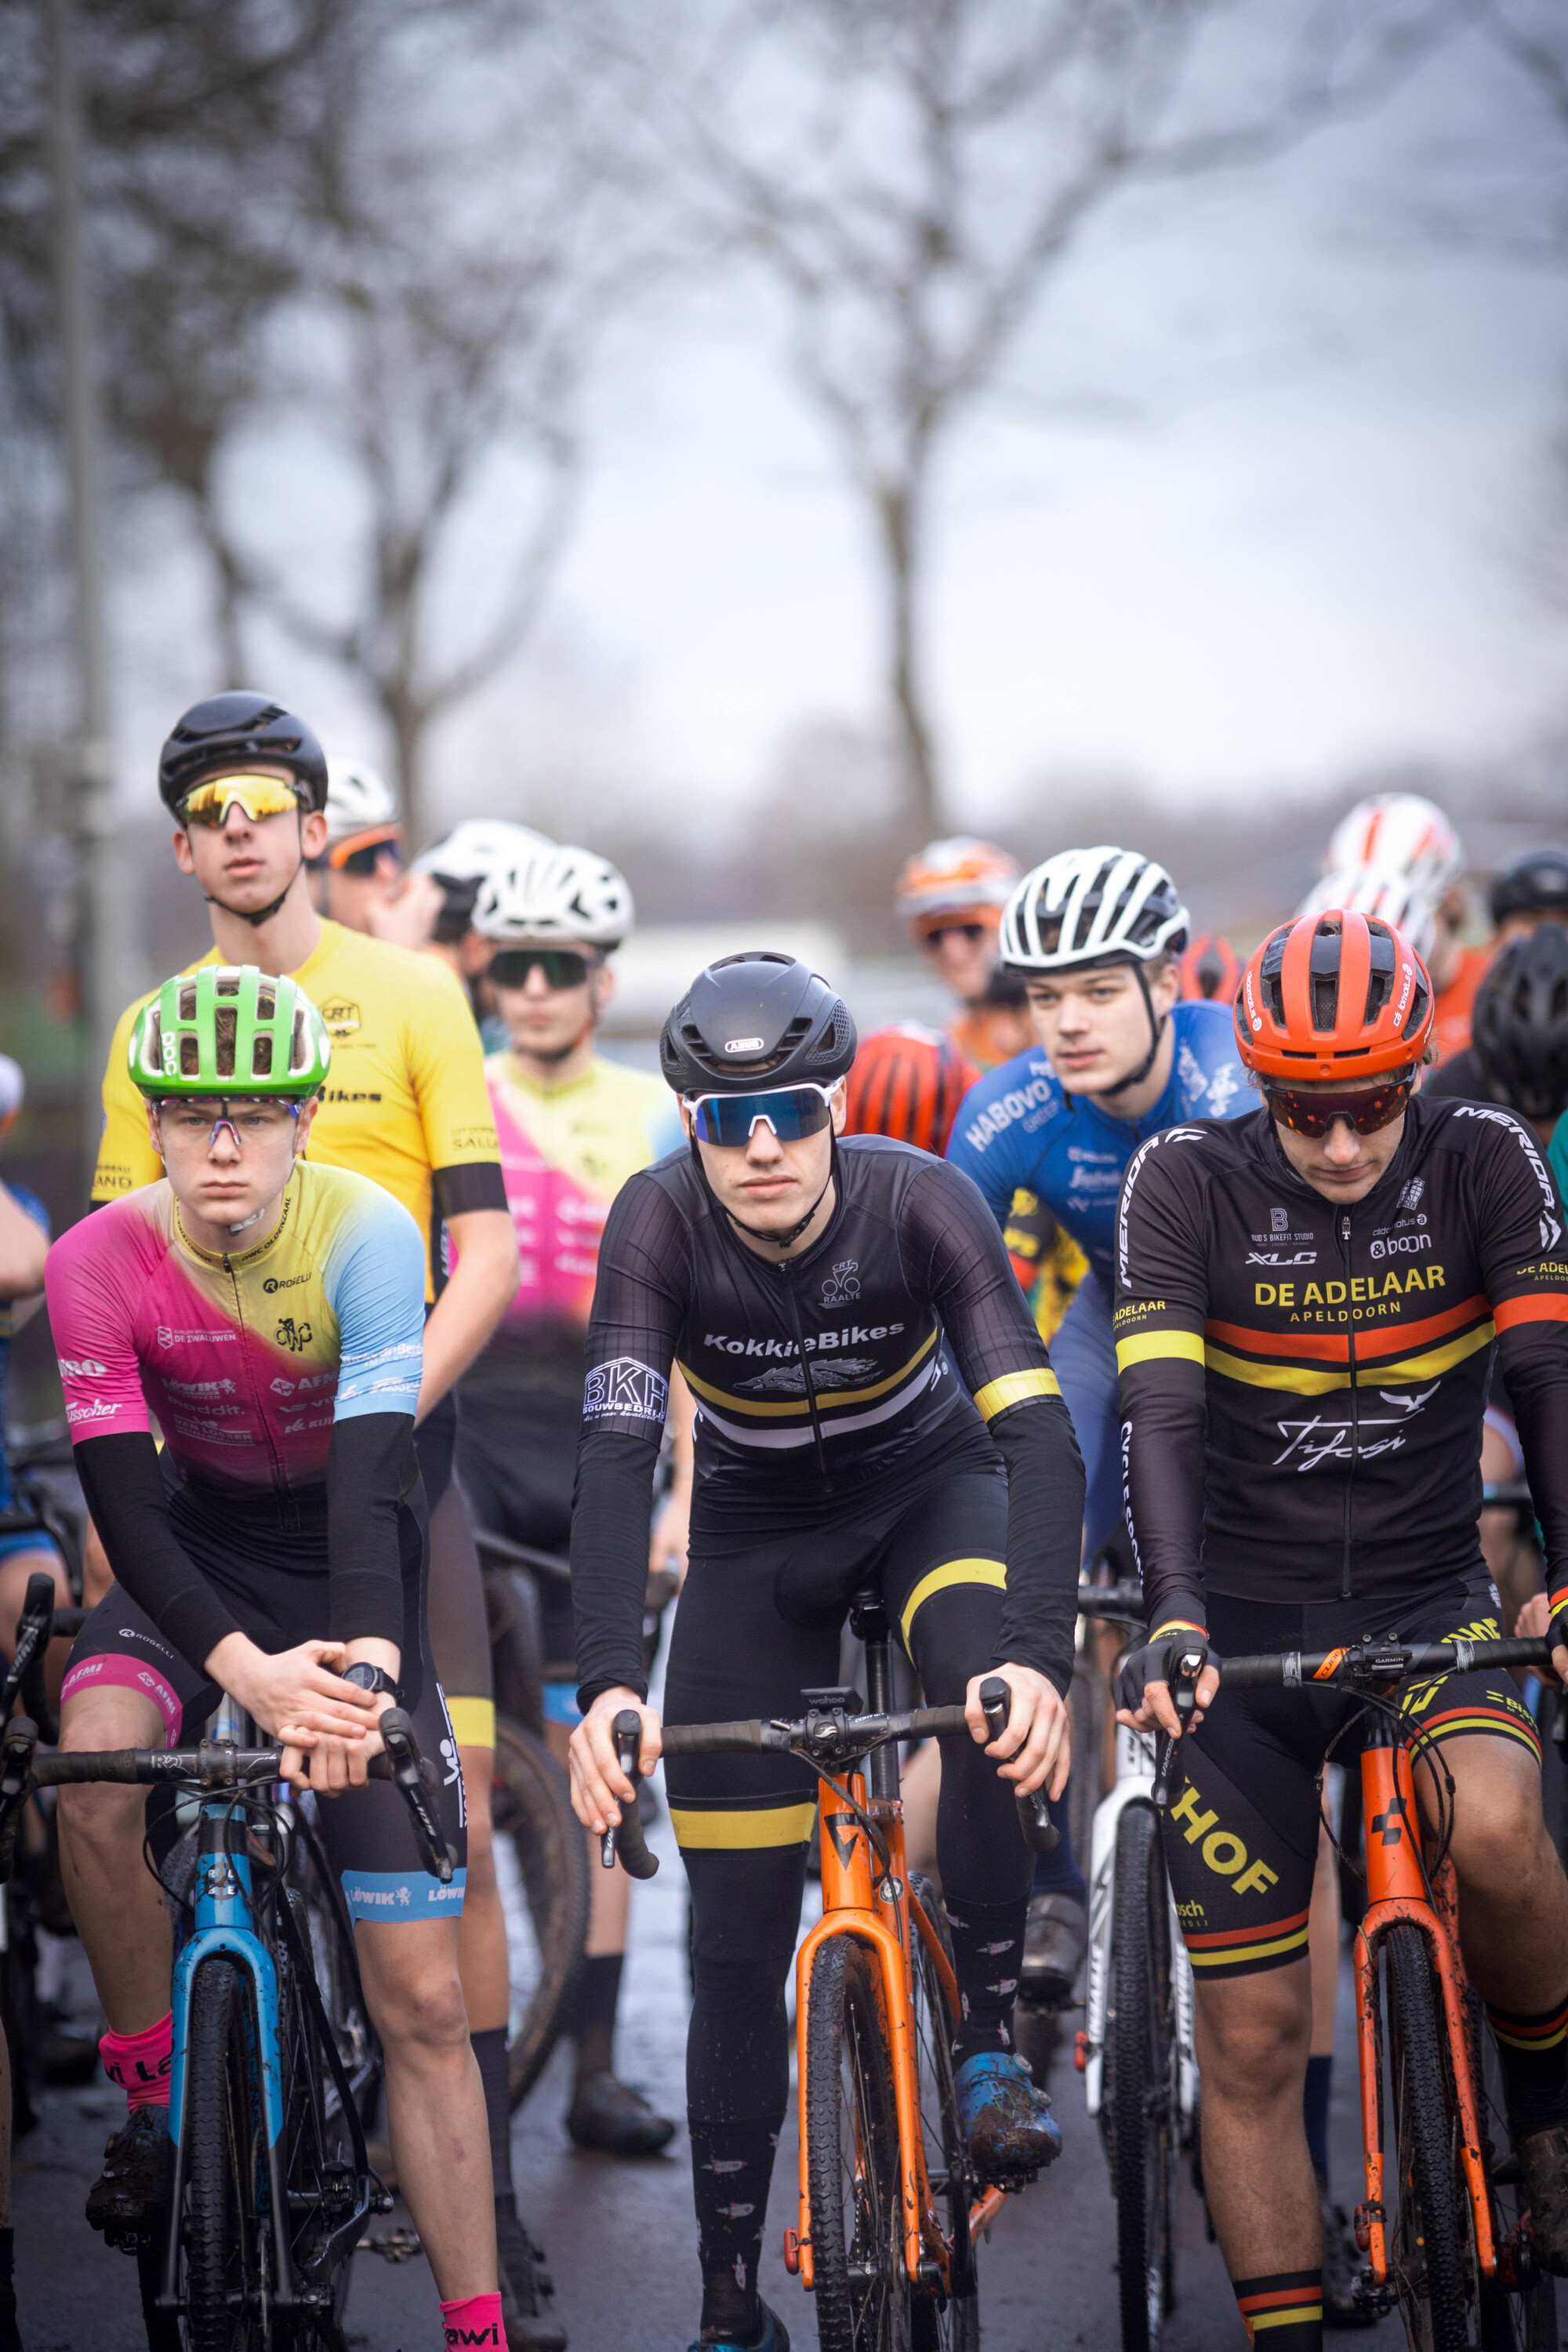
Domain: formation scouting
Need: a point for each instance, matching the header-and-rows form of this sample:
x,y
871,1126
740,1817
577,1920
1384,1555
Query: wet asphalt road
x,y
621,2238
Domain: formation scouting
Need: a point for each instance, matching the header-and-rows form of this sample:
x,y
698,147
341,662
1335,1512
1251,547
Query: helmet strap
x,y
1156,1032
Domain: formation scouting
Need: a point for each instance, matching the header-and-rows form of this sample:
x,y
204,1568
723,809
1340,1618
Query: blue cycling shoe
x,y
1007,2124
774,2336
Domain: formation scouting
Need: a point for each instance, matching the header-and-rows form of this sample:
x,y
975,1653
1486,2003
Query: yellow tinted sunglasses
x,y
259,796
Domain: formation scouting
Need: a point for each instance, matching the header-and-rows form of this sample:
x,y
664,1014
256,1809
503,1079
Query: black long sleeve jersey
x,y
823,1384
1302,1381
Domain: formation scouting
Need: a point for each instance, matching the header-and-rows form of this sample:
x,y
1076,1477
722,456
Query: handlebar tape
x,y
626,1838
712,1738
1294,1668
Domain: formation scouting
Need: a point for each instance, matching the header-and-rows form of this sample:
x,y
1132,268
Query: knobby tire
x,y
852,2159
1141,2034
224,2164
1429,2237
952,2327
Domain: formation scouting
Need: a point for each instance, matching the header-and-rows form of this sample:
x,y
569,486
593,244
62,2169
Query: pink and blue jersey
x,y
244,1362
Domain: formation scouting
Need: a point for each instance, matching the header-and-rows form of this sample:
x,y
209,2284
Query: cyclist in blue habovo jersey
x,y
1097,936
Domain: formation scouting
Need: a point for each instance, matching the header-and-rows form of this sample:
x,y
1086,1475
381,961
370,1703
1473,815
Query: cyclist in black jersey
x,y
874,1405
1308,1304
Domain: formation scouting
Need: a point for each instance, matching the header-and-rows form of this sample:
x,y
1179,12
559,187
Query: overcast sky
x,y
1291,552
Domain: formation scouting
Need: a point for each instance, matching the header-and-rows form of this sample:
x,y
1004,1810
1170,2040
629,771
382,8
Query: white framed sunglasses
x,y
792,1113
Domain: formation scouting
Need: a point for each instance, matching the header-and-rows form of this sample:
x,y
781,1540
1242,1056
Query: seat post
x,y
868,1624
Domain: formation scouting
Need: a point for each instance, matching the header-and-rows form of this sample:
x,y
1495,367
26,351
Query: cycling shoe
x,y
525,2289
611,2116
1544,2171
1006,2121
132,2194
1054,1943
774,2337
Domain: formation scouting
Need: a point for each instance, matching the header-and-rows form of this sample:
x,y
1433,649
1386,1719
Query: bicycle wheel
x,y
319,2021
1139,2105
228,2269
1525,2319
1429,2249
852,2160
542,1868
953,2325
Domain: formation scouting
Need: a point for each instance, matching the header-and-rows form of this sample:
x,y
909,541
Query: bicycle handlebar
x,y
1123,1603
1375,1661
861,1732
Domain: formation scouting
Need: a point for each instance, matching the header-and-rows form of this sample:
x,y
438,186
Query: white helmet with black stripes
x,y
556,893
1092,906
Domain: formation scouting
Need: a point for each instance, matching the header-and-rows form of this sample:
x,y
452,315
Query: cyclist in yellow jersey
x,y
572,1127
246,781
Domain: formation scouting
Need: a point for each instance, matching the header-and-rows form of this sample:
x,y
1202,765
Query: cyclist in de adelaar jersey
x,y
1096,935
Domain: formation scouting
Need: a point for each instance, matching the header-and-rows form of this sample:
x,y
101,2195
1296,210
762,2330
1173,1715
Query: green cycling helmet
x,y
229,1029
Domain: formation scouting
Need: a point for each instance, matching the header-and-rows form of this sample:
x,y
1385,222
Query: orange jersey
x,y
1451,1026
991,1034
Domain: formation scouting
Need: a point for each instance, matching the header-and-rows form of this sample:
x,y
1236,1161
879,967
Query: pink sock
x,y
139,2063
475,2319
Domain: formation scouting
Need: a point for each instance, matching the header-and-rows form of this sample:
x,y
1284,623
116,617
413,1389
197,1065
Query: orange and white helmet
x,y
1402,834
1372,891
960,876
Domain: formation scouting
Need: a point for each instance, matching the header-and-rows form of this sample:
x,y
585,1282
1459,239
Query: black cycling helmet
x,y
217,737
756,1019
1534,882
1520,1024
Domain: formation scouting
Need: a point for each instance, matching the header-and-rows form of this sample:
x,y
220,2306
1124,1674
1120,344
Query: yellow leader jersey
x,y
405,1102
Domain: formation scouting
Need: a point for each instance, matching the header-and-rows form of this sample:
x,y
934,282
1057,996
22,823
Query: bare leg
x,y
1513,1898
434,2099
1253,2034
116,1904
481,1933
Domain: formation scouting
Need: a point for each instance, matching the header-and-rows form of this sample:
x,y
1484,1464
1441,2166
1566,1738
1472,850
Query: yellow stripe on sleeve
x,y
1012,1389
740,1831
940,1580
1150,1347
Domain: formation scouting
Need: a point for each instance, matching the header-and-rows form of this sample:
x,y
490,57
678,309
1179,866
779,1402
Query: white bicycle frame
x,y
1134,1786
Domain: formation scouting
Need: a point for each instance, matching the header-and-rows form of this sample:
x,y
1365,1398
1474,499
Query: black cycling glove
x,y
1153,1662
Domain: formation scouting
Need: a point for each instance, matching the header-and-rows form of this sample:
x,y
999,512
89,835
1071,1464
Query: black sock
x,y
1287,2308
732,2165
987,1951
594,2023
1315,2113
1534,2054
490,2050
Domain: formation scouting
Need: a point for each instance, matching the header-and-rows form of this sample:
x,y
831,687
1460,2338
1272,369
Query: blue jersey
x,y
1018,1130
40,1217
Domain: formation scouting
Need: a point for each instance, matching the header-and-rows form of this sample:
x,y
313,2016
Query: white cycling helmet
x,y
1400,833
1092,906
555,894
1372,890
477,847
359,801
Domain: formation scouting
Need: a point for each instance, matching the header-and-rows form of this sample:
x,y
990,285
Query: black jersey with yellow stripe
x,y
1302,1380
838,1365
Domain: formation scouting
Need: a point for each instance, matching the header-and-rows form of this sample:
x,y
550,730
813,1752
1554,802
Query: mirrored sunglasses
x,y
259,796
1308,1112
562,967
364,856
792,1112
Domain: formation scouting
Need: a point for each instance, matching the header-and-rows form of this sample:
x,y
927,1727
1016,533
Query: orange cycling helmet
x,y
908,1082
960,876
1209,969
1335,995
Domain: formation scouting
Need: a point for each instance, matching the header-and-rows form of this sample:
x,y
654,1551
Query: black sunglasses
x,y
562,967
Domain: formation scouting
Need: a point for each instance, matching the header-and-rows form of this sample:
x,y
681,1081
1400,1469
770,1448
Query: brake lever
x,y
1182,1686
402,1755
625,1837
16,1749
1040,1832
34,1628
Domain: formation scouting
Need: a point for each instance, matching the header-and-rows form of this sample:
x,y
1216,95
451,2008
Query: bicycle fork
x,y
222,1924
1397,1893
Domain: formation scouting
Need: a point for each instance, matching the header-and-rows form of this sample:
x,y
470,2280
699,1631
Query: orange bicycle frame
x,y
1397,1892
882,1919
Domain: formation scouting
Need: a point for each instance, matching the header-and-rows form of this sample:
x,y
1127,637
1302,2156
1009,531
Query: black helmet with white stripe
x,y
1092,906
758,1019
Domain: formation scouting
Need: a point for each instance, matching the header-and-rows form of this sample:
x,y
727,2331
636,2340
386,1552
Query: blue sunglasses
x,y
792,1112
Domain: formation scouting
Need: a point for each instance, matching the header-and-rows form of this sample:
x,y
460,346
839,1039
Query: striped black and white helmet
x,y
1092,906
556,893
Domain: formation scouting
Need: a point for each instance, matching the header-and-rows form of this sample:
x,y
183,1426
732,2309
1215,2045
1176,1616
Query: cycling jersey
x,y
261,1367
1557,1159
565,1151
30,1202
1455,1004
1020,1129
904,1311
1302,1380
406,1101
